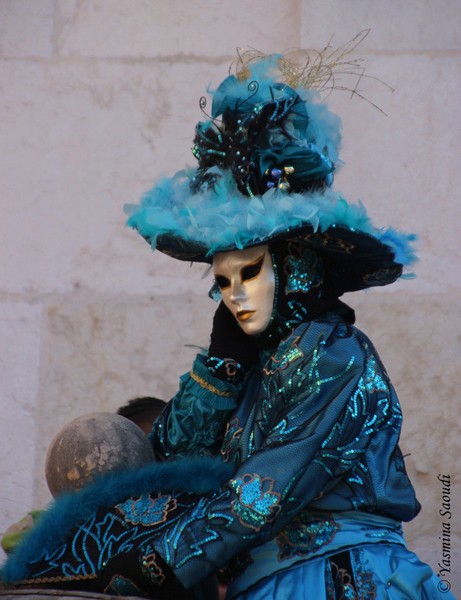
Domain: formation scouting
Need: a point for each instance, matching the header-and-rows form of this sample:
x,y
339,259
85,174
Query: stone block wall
x,y
98,99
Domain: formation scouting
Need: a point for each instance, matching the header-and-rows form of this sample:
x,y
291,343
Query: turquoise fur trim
x,y
223,218
192,475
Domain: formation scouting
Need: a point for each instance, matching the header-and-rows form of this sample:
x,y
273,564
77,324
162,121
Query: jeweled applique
x,y
150,567
303,269
231,438
372,380
147,511
256,503
366,587
287,352
340,583
305,534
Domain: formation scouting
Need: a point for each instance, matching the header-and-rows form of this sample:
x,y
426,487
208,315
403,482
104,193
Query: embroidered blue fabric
x,y
380,571
316,429
311,535
312,438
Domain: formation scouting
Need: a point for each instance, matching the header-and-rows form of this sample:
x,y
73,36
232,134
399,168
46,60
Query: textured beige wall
x,y
98,98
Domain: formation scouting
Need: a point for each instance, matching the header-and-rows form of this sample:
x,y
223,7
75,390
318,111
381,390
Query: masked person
x,y
290,394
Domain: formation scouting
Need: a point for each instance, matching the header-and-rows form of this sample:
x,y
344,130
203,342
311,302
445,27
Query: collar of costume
x,y
266,159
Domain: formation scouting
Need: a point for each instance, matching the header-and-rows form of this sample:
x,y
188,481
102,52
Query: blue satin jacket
x,y
312,433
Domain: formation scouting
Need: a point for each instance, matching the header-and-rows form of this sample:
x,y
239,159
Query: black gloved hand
x,y
232,352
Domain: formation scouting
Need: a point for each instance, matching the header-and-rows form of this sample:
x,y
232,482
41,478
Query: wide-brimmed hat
x,y
266,158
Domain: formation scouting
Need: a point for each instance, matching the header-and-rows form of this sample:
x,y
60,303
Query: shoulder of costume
x,y
323,333
310,335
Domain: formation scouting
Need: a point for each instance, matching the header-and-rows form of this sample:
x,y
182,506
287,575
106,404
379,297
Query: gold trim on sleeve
x,y
208,386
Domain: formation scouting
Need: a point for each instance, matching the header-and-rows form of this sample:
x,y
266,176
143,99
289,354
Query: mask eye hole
x,y
253,270
222,282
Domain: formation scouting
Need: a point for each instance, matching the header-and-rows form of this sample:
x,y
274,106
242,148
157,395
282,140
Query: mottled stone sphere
x,y
92,445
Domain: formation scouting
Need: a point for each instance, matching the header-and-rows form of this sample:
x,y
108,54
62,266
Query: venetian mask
x,y
247,283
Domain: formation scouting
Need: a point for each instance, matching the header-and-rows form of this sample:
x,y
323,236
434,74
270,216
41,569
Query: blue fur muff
x,y
198,475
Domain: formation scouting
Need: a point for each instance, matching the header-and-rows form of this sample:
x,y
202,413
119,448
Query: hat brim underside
x,y
354,260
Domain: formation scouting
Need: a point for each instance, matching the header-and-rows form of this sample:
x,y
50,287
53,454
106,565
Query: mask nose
x,y
237,294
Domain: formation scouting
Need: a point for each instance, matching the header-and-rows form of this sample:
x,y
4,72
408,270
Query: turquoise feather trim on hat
x,y
266,162
223,219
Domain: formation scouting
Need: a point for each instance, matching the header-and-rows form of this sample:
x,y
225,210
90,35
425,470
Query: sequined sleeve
x,y
323,399
193,422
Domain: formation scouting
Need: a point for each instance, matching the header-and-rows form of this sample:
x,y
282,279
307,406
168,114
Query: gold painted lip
x,y
244,315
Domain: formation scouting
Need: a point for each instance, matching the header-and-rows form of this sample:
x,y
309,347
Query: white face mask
x,y
247,283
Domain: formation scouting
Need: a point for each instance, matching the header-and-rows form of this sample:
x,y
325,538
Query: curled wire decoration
x,y
203,104
253,88
260,136
325,70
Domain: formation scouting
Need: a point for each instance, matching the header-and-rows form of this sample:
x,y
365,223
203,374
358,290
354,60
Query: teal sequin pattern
x,y
105,535
256,503
146,510
305,534
339,584
366,587
201,511
372,381
287,353
231,438
86,554
303,269
369,409
292,377
357,584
